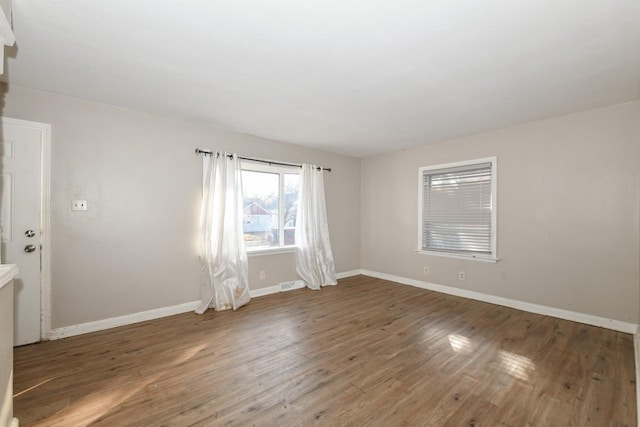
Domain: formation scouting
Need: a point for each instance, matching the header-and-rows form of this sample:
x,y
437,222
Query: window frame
x,y
281,170
493,256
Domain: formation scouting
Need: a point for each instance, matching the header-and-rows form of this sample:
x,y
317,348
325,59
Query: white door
x,y
21,186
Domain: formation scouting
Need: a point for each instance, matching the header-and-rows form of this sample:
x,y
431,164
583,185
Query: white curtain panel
x,y
225,282
314,259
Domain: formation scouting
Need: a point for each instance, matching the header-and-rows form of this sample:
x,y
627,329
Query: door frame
x,y
45,219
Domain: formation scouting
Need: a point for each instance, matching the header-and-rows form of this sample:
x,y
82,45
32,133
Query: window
x,y
270,205
457,209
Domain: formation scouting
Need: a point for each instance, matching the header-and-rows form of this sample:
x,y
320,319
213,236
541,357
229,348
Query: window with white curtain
x,y
270,196
457,209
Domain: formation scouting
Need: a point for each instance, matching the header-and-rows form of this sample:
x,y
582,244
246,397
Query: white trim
x,y
114,322
45,220
291,285
616,325
7,37
493,257
255,293
281,171
636,347
45,253
127,319
7,273
348,274
588,319
14,423
459,256
270,251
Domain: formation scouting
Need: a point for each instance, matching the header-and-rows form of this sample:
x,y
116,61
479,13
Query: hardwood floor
x,y
365,352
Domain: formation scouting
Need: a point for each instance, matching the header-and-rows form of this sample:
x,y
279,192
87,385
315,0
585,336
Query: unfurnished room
x,y
332,213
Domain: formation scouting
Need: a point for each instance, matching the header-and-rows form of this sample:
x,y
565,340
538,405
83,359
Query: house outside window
x,y
269,207
457,209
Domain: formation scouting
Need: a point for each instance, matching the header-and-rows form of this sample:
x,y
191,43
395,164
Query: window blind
x,y
456,215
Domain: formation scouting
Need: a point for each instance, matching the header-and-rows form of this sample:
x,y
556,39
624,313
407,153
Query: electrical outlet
x,y
462,275
426,270
78,205
263,275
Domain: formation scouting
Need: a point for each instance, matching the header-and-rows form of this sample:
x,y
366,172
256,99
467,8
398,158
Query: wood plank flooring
x,y
367,352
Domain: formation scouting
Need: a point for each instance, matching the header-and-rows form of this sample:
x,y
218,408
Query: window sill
x,y
459,256
270,251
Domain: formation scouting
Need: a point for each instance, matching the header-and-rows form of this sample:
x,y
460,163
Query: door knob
x,y
29,233
30,248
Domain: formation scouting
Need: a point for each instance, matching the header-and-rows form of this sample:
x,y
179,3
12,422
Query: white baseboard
x,y
114,322
636,347
616,325
348,274
276,288
99,325
255,293
291,285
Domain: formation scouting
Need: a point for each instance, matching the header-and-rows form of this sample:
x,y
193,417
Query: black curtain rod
x,y
269,162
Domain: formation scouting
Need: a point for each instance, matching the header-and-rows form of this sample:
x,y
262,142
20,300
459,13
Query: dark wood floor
x,y
365,352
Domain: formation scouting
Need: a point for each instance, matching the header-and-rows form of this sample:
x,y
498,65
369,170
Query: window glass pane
x,y
291,186
260,215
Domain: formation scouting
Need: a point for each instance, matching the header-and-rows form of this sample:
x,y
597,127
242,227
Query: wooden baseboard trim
x,y
616,325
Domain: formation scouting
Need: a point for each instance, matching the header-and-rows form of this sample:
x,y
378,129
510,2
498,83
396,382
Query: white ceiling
x,y
357,77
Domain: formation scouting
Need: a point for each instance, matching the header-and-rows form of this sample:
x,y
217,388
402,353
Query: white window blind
x,y
457,209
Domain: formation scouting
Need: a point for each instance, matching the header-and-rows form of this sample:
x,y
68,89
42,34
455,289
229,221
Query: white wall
x,y
135,249
6,8
568,214
568,209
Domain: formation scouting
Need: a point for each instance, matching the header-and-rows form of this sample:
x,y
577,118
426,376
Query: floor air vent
x,y
289,286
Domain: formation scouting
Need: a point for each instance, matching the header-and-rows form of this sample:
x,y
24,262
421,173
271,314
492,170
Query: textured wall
x,y
568,196
135,249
